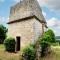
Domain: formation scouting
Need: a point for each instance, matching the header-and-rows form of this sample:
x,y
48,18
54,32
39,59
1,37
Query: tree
x,y
51,34
9,44
3,31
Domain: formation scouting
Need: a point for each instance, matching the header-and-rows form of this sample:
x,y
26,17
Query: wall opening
x,y
18,43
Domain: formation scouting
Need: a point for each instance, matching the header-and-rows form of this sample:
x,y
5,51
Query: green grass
x,y
55,54
2,47
8,56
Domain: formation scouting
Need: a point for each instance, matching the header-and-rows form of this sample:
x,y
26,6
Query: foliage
x,y
57,42
44,43
47,39
29,53
9,44
3,31
44,48
51,34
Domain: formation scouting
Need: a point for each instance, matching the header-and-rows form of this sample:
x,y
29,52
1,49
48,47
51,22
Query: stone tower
x,y
26,21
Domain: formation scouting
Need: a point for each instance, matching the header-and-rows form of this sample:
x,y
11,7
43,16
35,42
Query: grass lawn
x,y
8,56
55,54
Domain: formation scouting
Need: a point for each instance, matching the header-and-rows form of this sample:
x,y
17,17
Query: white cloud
x,y
54,5
17,1
42,2
44,13
54,24
3,20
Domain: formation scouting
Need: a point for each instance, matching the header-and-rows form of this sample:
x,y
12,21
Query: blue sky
x,y
50,10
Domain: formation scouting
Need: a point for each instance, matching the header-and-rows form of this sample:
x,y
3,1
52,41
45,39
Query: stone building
x,y
26,22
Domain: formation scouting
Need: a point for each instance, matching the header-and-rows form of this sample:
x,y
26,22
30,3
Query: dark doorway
x,y
18,43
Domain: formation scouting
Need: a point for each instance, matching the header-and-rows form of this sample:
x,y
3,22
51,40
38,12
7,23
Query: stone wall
x,y
24,9
37,26
28,30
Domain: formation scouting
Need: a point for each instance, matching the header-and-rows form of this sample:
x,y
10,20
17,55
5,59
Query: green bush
x,y
44,48
29,53
46,38
51,34
9,44
45,42
3,33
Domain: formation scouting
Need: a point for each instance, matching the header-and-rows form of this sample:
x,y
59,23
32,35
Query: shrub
x,y
9,44
45,42
46,38
51,34
29,53
44,48
3,31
